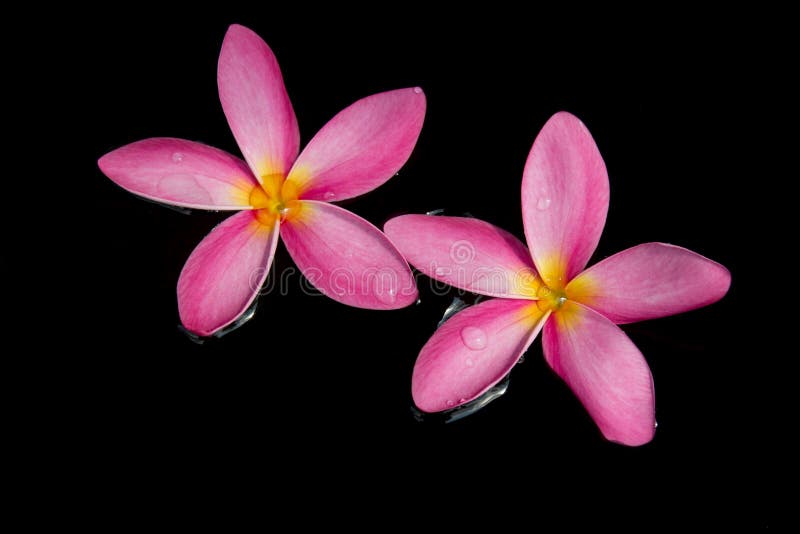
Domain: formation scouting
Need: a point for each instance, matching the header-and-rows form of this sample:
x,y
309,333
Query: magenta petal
x,y
473,351
564,198
347,258
222,276
361,147
649,281
466,253
605,370
182,173
256,104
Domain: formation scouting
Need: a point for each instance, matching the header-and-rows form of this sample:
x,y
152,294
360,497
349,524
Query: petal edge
x,y
472,351
347,258
180,173
466,253
606,371
649,281
564,198
362,147
224,273
256,103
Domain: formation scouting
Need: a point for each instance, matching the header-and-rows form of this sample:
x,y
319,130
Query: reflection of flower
x,y
279,191
564,205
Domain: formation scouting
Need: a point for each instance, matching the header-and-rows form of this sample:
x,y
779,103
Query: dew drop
x,y
474,338
440,271
462,400
469,362
521,359
329,195
418,90
177,157
543,203
656,425
450,403
418,302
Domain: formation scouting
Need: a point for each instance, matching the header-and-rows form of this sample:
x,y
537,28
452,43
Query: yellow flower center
x,y
551,299
274,199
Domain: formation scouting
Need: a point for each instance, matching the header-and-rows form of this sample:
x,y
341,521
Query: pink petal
x,y
564,198
361,147
179,172
347,258
649,281
256,104
466,253
222,276
473,351
605,370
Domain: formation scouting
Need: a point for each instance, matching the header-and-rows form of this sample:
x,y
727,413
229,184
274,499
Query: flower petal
x,y
473,351
256,104
347,258
361,147
605,370
649,281
466,253
224,273
182,173
564,198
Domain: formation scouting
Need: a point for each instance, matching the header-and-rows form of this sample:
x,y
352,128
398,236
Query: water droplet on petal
x,y
418,90
462,400
177,157
473,337
656,425
469,362
418,302
329,195
543,203
521,359
450,403
440,271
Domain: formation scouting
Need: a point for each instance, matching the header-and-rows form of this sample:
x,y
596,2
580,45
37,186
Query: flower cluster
x,y
280,192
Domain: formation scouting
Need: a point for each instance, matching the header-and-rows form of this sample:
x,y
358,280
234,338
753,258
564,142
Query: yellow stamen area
x,y
272,183
258,198
568,316
532,314
299,177
583,288
275,199
526,283
265,220
289,191
550,299
560,300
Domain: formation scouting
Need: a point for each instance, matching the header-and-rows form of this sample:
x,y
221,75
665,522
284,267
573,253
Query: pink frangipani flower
x,y
564,205
279,193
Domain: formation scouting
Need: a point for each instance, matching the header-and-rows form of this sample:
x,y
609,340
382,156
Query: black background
x,y
323,390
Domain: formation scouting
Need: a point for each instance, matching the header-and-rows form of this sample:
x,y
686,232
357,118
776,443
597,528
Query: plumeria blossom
x,y
278,192
564,204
